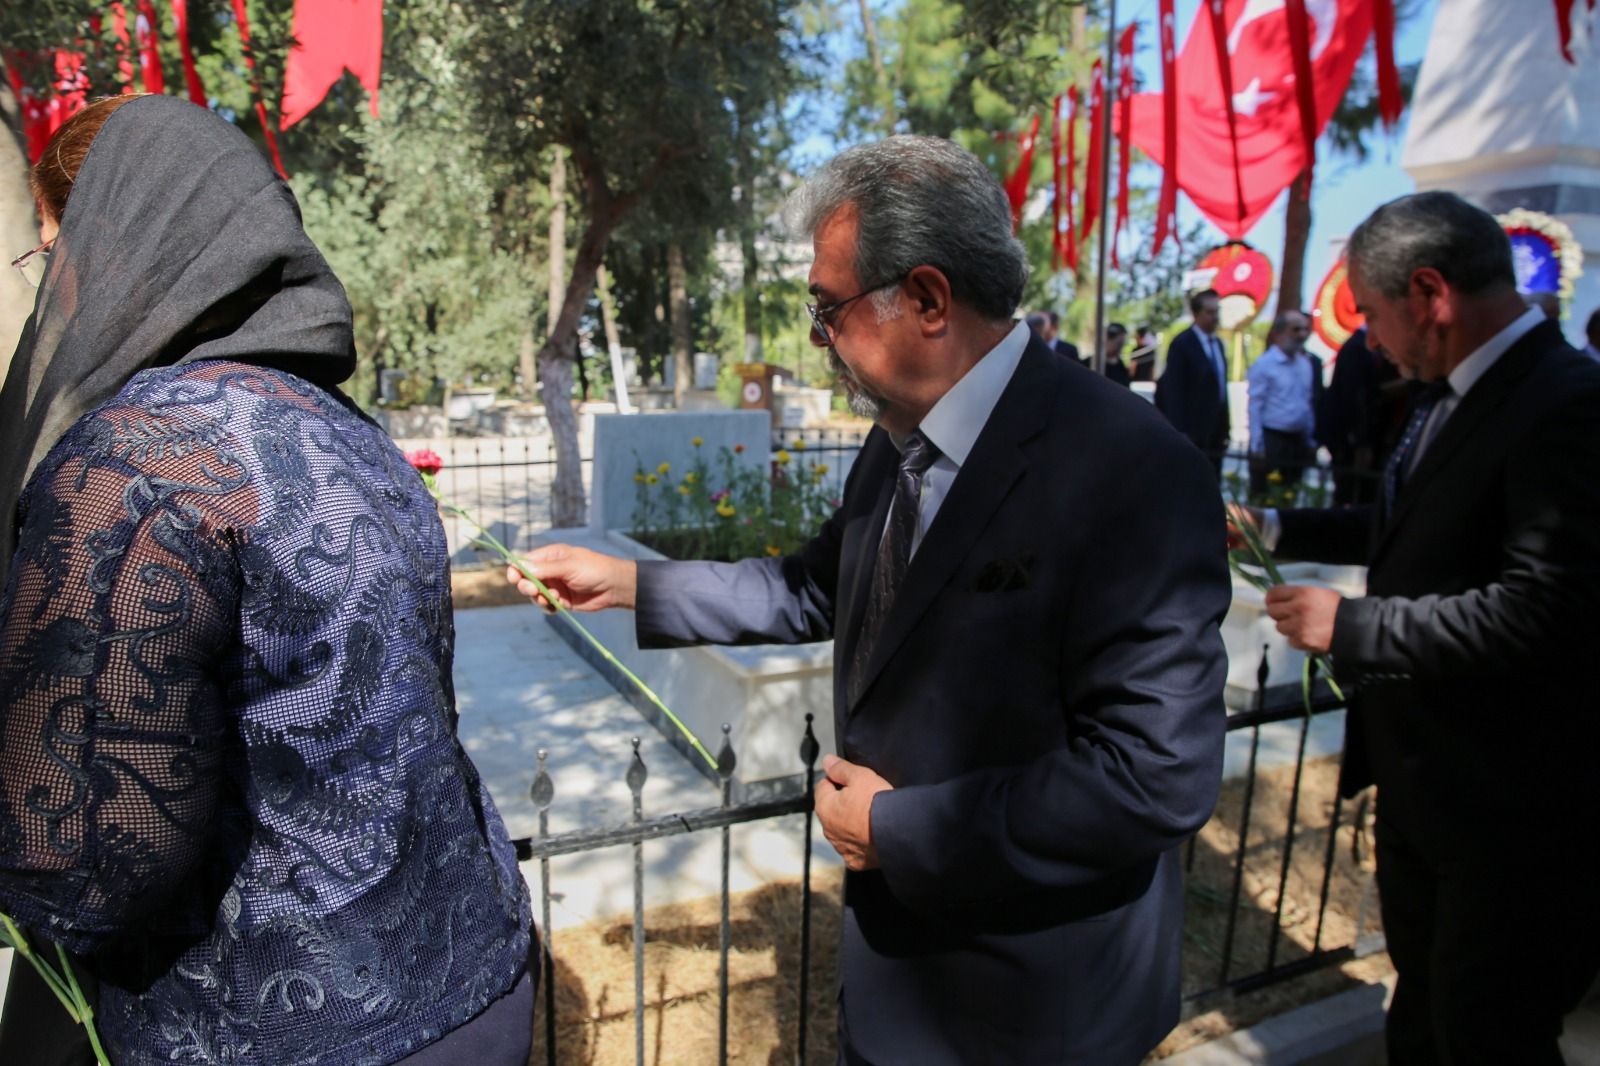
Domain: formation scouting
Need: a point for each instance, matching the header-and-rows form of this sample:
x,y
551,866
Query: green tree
x,y
637,93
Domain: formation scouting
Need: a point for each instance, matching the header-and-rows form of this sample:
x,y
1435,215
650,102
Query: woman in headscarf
x,y
230,781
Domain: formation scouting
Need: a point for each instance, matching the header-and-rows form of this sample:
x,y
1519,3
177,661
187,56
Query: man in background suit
x,y
1193,391
1029,714
1360,418
1474,709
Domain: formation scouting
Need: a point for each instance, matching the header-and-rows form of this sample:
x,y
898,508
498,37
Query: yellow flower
x,y
773,549
663,468
638,477
690,478
819,470
683,489
651,479
1276,475
697,441
726,509
782,457
799,444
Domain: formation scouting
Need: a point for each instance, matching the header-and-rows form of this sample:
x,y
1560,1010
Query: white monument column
x,y
1500,118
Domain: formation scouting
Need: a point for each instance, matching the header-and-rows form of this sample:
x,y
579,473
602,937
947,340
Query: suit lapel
x,y
994,466
1490,392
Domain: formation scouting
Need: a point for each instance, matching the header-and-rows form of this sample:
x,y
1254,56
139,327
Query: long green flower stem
x,y
63,983
1263,558
491,542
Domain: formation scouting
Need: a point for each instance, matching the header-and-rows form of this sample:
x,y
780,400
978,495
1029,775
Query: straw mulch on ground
x,y
594,963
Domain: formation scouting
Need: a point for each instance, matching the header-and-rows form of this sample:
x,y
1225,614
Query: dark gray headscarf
x,y
178,243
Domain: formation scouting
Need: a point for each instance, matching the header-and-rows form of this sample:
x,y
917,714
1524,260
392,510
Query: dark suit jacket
x,y
1189,395
1047,704
1067,349
1475,711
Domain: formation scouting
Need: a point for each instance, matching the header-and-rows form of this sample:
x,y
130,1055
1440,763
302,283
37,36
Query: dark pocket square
x,y
1004,575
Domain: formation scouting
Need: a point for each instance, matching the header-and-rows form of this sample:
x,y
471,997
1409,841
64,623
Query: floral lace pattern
x,y
229,769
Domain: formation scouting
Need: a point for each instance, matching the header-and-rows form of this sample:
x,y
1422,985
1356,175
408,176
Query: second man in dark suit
x,y
1193,390
1474,710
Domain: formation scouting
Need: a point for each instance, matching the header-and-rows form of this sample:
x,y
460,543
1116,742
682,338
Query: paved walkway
x,y
520,689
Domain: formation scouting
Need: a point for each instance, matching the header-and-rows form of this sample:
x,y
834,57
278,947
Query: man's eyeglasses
x,y
31,264
822,317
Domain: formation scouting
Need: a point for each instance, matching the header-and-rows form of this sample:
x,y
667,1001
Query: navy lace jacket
x,y
229,771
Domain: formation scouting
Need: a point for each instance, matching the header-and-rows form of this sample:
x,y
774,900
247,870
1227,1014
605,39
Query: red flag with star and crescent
x,y
1266,103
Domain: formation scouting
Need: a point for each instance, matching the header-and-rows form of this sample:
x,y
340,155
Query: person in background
x,y
1285,390
230,780
1116,369
1470,657
1142,360
1360,419
1064,348
1193,390
1592,332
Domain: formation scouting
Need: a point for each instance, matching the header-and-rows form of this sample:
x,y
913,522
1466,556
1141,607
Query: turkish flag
x,y
332,36
1094,176
1271,147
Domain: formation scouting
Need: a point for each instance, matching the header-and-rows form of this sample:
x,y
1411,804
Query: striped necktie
x,y
1394,473
894,550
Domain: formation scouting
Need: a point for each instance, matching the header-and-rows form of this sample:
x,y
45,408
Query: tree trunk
x,y
16,227
885,92
558,270
557,359
1296,232
682,341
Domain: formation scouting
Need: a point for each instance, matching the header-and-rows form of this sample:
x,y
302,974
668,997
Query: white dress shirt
x,y
1467,373
955,421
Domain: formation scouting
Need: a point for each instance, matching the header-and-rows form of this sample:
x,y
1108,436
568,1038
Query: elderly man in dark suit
x,y
1475,708
1029,714
1193,391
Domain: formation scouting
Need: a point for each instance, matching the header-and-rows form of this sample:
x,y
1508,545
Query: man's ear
x,y
928,290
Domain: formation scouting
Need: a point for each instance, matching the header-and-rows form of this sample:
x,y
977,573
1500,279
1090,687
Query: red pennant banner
x,y
1299,23
242,17
148,31
1167,202
1094,178
1219,34
330,39
1564,25
1069,242
191,77
43,115
1017,183
1390,102
1055,183
1125,82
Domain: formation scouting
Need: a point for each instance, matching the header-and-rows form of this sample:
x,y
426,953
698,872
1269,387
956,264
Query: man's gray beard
x,y
863,404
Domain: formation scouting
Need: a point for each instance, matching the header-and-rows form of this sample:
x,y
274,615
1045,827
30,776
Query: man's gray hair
x,y
1430,229
922,201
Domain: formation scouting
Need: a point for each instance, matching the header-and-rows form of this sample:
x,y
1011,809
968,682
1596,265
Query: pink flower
x,y
426,460
720,495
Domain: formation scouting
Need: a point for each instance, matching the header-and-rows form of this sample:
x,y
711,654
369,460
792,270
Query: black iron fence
x,y
1254,934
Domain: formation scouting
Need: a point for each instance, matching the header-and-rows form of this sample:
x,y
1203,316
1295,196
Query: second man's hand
x,y
1305,615
844,808
582,580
